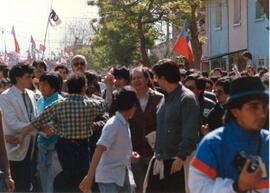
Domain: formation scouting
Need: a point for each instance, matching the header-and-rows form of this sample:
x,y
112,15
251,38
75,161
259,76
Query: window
x,y
218,14
237,12
259,10
260,62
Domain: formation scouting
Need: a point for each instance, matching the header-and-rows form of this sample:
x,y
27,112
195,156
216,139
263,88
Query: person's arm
x,y
190,116
86,183
4,163
201,183
38,122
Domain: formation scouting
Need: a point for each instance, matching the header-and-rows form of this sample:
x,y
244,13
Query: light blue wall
x,y
219,38
258,37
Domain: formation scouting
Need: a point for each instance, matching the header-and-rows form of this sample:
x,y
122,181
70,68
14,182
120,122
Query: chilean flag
x,y
17,47
181,46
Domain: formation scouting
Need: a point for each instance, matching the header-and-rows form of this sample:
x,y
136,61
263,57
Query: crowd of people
x,y
160,129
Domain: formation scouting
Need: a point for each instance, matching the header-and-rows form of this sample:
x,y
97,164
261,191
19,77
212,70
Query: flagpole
x,y
47,26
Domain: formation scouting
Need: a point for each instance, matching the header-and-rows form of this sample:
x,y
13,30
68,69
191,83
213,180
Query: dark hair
x,y
121,72
225,83
4,69
75,83
191,71
224,73
41,63
205,74
199,81
168,69
126,98
19,70
61,66
91,76
214,79
53,79
228,116
244,73
92,80
238,104
231,74
262,71
247,54
207,80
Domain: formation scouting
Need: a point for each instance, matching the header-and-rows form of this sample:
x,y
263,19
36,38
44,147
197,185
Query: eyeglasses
x,y
79,64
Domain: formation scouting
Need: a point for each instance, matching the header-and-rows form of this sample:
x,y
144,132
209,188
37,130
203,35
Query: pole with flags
x,y
46,31
53,20
181,45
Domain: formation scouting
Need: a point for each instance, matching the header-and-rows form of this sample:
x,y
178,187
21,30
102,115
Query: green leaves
x,y
127,28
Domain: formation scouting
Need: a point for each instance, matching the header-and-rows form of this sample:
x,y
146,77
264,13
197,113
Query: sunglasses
x,y
79,64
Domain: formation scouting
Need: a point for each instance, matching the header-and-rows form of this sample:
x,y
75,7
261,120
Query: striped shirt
x,y
72,117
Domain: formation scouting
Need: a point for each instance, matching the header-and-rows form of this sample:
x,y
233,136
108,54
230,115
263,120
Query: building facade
x,y
235,26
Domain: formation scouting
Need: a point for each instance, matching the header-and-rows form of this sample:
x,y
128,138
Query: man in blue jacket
x,y
235,158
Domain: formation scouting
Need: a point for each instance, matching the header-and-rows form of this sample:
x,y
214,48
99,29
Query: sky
x,y
29,17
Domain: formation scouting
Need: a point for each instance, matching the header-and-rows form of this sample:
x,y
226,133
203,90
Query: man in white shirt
x,y
18,106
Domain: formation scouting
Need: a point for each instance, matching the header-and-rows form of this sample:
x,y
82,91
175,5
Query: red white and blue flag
x,y
17,47
181,45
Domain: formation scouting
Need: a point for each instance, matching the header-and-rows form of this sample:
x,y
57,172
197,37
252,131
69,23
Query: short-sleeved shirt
x,y
116,159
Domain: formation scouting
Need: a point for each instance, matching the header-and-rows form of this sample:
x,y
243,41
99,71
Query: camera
x,y
241,158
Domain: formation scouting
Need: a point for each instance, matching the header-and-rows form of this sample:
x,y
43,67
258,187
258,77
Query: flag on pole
x,y
181,46
29,57
17,47
54,19
33,45
42,48
34,49
5,56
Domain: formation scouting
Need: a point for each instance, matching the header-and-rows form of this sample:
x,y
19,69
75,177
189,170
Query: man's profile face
x,y
221,95
191,85
252,115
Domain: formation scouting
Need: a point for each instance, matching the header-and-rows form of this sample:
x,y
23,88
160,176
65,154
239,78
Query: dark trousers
x,y
170,183
74,159
22,172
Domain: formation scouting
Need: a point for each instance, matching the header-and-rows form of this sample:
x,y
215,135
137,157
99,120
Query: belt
x,y
63,140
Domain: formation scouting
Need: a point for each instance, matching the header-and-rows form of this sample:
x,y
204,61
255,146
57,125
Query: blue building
x,y
235,26
258,34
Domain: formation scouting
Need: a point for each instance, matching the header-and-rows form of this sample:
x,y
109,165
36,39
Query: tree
x,y
139,17
129,26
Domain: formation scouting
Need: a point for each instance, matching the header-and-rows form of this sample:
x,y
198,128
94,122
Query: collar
x,y
76,97
119,116
174,92
239,133
18,91
52,98
146,96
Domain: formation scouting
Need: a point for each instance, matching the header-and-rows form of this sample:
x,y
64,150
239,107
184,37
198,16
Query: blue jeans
x,y
74,159
114,188
44,168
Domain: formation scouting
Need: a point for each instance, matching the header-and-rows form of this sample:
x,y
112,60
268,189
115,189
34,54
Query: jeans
x,y
114,188
139,170
74,159
44,168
